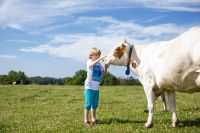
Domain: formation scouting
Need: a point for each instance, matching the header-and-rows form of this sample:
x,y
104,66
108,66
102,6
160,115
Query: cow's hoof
x,y
148,125
175,124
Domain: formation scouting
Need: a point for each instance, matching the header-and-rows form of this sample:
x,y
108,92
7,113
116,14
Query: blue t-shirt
x,y
96,75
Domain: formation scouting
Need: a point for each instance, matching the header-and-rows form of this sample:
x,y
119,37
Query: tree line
x,y
14,77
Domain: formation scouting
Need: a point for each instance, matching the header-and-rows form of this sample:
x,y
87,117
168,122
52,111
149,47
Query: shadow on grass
x,y
190,123
117,120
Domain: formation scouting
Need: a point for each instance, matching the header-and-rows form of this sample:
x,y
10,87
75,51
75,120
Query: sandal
x,y
87,124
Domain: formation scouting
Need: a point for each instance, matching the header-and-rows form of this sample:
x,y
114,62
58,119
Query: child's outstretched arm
x,y
96,61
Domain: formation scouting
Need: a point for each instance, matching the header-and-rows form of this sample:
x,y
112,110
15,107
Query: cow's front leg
x,y
172,105
150,100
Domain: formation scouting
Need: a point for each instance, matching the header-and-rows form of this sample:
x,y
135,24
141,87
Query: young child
x,y
91,93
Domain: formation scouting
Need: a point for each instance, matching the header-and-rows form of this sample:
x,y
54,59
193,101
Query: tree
x,y
68,81
80,77
46,80
60,81
109,79
4,79
128,81
20,77
12,76
77,79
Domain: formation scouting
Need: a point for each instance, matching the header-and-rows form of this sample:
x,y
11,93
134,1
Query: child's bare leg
x,y
93,115
86,115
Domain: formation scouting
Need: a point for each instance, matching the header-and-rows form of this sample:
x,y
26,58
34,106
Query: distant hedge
x,y
109,79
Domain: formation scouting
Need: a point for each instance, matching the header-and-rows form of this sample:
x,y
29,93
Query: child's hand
x,y
101,58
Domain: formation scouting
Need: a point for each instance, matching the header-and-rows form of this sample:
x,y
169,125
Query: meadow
x,y
35,108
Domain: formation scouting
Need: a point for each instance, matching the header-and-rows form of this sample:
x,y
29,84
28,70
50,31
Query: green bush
x,y
77,79
13,76
109,80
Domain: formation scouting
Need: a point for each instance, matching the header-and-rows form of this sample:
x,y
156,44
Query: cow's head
x,y
118,56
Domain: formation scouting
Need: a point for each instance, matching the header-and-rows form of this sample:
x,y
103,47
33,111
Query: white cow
x,y
163,66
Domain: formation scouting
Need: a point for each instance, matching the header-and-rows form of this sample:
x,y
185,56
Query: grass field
x,y
35,108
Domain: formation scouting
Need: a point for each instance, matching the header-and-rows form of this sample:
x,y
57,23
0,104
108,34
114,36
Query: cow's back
x,y
174,64
187,44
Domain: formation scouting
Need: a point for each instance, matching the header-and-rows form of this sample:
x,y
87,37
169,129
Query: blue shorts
x,y
91,98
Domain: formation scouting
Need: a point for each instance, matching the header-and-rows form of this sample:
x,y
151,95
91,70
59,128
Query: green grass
x,y
35,108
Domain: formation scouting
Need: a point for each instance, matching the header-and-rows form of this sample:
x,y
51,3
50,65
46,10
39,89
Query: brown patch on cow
x,y
134,65
119,51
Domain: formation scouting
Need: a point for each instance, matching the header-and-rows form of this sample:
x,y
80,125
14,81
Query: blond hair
x,y
94,51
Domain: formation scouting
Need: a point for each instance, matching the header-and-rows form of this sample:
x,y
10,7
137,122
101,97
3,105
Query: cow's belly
x,y
188,82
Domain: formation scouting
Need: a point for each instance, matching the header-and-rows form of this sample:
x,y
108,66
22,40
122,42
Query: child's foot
x,y
93,123
87,124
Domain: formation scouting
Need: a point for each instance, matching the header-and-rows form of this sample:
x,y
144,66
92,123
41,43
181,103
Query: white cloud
x,y
8,56
22,41
170,5
20,14
154,19
76,49
116,27
29,15
77,46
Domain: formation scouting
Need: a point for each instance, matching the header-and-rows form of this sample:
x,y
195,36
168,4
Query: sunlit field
x,y
35,108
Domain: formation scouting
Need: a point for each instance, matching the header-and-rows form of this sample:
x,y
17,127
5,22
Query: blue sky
x,y
53,38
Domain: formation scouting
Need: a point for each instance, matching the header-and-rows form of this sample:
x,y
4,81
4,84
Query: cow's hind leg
x,y
198,79
172,106
150,99
163,99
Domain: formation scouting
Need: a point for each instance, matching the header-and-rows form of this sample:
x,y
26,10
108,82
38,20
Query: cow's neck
x,y
137,50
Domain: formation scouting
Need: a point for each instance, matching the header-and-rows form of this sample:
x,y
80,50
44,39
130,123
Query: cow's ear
x,y
123,45
125,42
